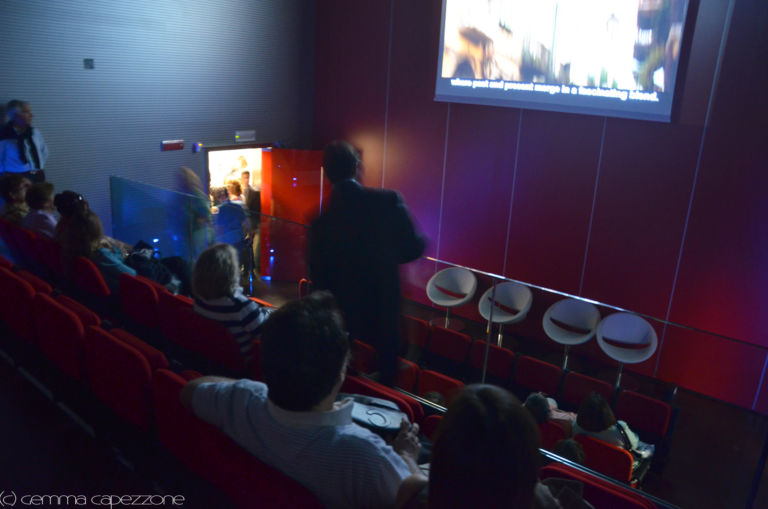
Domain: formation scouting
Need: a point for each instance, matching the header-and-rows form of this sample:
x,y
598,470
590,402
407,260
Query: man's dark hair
x,y
9,183
537,404
11,107
340,161
595,414
303,349
69,202
39,194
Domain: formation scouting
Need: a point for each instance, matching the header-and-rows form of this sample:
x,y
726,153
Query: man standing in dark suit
x,y
355,247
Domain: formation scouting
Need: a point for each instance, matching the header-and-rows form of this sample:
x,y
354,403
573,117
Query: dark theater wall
x,y
163,70
663,219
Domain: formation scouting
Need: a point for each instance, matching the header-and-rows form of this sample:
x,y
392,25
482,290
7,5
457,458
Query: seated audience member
x,y
67,203
42,216
545,409
219,297
84,236
595,418
13,190
294,423
486,454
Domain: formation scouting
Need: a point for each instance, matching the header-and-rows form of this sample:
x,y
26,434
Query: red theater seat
x,y
40,285
60,336
120,373
500,360
139,300
84,313
551,433
449,344
606,458
363,357
432,381
534,375
431,423
185,328
89,279
648,416
414,331
576,387
407,375
16,305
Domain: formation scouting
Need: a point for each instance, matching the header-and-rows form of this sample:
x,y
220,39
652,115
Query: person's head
x,y
485,452
10,108
219,194
595,414
340,161
83,235
69,203
13,187
188,180
40,196
234,188
216,273
537,404
304,352
20,113
245,179
569,449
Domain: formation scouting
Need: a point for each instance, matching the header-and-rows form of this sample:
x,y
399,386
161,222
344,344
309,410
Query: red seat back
x,y
605,458
139,300
449,344
577,387
89,279
407,375
430,425
647,415
120,376
432,381
551,433
414,331
535,375
599,492
84,313
363,357
40,285
500,360
16,305
60,335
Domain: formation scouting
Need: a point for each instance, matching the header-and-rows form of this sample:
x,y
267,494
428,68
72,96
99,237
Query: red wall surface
x,y
663,219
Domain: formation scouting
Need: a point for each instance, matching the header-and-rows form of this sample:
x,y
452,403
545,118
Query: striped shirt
x,y
343,464
239,314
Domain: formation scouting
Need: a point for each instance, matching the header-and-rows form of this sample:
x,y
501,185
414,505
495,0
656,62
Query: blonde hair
x,y
216,272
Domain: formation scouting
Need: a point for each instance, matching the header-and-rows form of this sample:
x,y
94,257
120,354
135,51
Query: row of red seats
x,y
648,416
132,379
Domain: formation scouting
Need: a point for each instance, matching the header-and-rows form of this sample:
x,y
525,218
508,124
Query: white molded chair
x,y
451,287
626,338
511,304
570,322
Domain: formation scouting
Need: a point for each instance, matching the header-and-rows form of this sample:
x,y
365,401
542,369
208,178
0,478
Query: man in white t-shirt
x,y
294,422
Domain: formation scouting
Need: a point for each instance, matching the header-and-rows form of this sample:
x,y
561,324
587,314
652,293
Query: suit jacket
x,y
355,247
